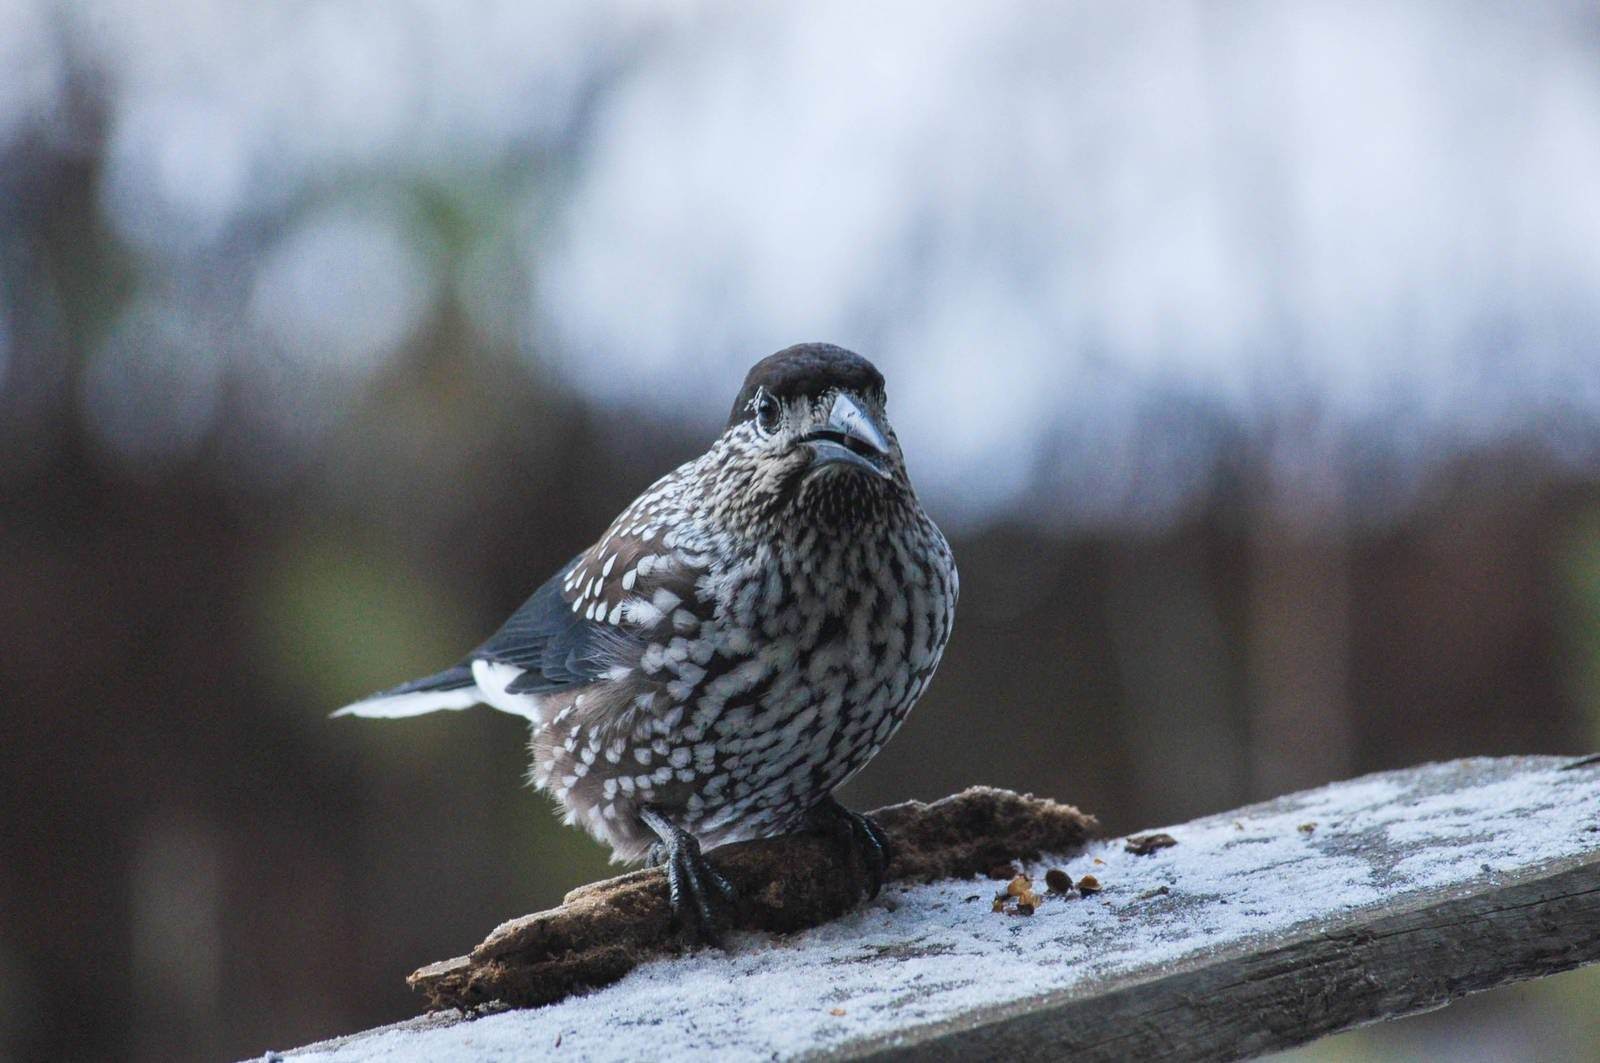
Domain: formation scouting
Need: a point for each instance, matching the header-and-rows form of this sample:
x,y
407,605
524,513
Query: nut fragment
x,y
1307,828
1058,880
1018,898
1145,844
1088,884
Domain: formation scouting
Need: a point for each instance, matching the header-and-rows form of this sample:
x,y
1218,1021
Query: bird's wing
x,y
599,613
553,645
595,617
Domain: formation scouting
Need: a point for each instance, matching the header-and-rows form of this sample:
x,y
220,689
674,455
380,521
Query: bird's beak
x,y
851,436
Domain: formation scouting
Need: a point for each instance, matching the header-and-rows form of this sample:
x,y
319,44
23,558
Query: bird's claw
x,y
863,837
695,888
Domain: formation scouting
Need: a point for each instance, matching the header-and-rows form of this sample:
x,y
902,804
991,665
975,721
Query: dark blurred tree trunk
x,y
1298,647
1165,618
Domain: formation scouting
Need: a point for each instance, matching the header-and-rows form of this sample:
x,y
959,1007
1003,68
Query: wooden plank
x,y
606,929
1258,930
1320,980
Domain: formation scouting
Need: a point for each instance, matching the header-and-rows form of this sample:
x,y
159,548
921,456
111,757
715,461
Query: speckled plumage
x,y
744,637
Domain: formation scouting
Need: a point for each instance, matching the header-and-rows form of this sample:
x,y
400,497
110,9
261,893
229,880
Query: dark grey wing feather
x,y
556,647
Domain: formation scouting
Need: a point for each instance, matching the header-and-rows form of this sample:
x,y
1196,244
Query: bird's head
x,y
808,431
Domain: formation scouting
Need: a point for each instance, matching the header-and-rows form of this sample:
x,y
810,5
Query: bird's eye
x,y
768,412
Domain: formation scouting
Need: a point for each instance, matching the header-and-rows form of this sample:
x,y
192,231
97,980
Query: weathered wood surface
x,y
606,929
1260,929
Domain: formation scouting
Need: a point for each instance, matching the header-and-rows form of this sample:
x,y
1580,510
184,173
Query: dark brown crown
x,y
806,369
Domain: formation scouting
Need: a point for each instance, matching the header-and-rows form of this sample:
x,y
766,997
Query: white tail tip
x,y
416,703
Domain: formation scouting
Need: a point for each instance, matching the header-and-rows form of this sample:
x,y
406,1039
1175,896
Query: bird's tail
x,y
453,688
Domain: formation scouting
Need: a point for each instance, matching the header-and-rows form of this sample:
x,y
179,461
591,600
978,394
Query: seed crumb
x,y
1145,844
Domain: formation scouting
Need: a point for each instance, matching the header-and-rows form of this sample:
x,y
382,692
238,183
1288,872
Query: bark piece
x,y
602,931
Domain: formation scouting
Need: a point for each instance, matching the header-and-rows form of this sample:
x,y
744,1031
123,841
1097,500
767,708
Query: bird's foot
x,y
860,834
696,888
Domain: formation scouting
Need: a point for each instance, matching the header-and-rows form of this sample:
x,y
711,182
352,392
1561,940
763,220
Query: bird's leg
x,y
693,884
863,837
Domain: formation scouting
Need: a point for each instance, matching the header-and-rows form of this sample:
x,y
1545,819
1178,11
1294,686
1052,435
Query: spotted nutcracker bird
x,y
741,640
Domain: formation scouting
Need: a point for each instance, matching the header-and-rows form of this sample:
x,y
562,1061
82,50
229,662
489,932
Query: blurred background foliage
x,y
1247,353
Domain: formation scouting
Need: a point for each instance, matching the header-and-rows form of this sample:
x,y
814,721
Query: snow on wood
x,y
1259,929
794,882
